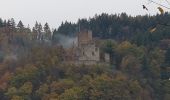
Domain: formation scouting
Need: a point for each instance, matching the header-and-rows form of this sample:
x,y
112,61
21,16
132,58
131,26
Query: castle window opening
x,y
96,49
93,54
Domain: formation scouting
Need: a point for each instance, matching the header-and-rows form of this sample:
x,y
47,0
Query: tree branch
x,y
160,4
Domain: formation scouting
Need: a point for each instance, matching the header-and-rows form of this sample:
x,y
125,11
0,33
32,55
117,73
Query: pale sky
x,y
56,11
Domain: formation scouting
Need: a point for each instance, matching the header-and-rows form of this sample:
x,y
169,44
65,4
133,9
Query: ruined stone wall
x,y
89,52
107,58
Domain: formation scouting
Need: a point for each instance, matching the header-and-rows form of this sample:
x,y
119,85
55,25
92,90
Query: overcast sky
x,y
56,11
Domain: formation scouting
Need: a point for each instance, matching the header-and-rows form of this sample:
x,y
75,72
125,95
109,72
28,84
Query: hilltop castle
x,y
86,51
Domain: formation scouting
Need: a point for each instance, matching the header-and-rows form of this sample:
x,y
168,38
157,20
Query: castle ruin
x,y
86,51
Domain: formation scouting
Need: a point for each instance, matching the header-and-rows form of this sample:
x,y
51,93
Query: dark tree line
x,y
121,27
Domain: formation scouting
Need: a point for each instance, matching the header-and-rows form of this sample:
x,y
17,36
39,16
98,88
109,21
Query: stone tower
x,y
88,52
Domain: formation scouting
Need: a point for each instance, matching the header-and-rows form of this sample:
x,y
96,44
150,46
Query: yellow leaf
x,y
153,30
161,10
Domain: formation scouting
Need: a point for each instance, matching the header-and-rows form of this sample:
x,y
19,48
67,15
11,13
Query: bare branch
x,y
167,2
159,4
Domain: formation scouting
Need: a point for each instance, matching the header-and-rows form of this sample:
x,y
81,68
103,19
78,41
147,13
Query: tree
x,y
75,93
106,88
131,65
61,86
109,47
11,92
47,30
166,88
40,35
54,36
29,73
68,28
1,22
20,26
167,57
42,91
17,98
35,31
11,23
26,89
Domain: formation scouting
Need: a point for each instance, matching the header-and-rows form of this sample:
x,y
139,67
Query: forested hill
x,y
33,64
120,26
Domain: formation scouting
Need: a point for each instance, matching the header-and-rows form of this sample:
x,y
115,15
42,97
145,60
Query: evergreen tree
x,y
54,36
47,32
35,31
1,22
40,35
20,26
11,24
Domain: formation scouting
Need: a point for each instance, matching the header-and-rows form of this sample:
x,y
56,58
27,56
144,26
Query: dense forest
x,y
32,68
